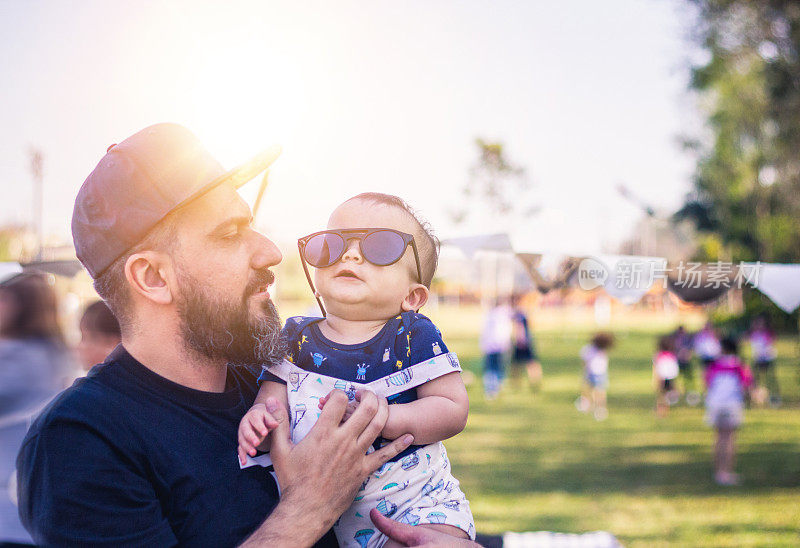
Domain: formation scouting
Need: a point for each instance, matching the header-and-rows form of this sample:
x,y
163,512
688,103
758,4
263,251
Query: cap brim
x,y
240,175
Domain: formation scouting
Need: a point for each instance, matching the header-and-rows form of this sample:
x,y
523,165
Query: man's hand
x,y
408,535
253,429
320,476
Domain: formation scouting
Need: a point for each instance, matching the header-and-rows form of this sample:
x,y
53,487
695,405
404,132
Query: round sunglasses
x,y
379,246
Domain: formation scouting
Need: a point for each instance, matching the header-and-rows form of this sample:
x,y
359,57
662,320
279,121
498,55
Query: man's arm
x,y
320,475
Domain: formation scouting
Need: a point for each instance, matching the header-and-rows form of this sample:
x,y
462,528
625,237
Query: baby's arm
x,y
258,422
440,412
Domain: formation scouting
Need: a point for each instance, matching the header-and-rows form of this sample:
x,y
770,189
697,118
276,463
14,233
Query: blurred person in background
x,y
100,334
595,369
665,371
762,347
34,367
706,345
495,343
682,345
727,379
523,347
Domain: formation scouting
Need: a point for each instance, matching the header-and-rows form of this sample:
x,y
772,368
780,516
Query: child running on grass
x,y
595,369
374,266
665,371
727,378
682,343
762,345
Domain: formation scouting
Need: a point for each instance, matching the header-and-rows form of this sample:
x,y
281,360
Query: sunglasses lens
x,y
383,247
323,250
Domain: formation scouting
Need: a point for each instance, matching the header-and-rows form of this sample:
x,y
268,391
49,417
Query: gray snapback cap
x,y
139,182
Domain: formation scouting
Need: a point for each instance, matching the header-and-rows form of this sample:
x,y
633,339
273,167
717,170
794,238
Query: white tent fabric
x,y
487,242
9,270
779,282
629,276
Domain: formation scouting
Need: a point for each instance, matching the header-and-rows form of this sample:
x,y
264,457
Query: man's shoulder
x,y
88,397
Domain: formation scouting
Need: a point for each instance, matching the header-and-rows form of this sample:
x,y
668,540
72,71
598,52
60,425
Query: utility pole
x,y
649,236
37,169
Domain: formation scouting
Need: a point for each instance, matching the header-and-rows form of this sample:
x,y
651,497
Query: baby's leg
x,y
449,529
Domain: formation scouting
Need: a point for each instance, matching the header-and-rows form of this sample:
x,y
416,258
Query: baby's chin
x,y
354,309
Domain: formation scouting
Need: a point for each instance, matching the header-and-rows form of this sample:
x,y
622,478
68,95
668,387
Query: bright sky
x,y
369,95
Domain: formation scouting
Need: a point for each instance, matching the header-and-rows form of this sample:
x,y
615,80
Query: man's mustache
x,y
261,278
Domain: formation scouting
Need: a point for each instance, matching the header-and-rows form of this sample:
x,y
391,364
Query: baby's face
x,y
356,289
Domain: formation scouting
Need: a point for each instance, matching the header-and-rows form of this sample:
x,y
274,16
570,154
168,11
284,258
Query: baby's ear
x,y
416,298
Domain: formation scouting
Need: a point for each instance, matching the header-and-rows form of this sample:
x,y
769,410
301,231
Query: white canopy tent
x,y
628,278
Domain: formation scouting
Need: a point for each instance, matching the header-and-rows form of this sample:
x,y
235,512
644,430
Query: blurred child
x,y
100,334
595,366
706,344
523,354
665,371
762,345
682,344
495,342
727,378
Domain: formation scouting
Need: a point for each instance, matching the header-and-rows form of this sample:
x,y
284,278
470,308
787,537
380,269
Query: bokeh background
x,y
665,128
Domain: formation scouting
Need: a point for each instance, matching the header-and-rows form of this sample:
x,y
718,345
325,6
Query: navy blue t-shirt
x,y
126,457
405,340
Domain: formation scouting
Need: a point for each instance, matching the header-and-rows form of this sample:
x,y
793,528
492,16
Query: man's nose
x,y
265,253
353,251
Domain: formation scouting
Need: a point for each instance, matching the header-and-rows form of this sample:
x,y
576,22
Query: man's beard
x,y
223,329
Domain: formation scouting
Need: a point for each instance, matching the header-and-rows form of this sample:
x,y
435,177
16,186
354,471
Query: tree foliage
x,y
496,192
746,195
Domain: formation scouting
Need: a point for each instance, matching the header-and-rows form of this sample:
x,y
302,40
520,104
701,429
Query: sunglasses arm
x,y
416,259
310,282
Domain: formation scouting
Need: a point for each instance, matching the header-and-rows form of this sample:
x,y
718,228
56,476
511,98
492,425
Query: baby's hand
x,y
253,429
349,410
351,405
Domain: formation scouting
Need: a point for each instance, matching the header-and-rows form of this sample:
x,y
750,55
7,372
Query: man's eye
x,y
236,232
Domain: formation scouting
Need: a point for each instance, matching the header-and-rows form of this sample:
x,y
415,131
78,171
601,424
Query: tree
x,y
497,193
746,196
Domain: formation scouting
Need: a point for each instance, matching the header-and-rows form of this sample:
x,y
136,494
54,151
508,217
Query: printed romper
x,y
416,487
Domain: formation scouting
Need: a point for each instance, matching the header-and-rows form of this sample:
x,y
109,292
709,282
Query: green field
x,y
532,462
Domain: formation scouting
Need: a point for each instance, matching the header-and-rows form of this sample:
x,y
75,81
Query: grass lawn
x,y
532,462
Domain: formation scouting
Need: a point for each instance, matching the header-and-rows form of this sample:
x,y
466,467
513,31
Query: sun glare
x,y
247,94
242,104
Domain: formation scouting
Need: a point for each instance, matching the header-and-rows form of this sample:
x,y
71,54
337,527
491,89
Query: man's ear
x,y
416,298
149,274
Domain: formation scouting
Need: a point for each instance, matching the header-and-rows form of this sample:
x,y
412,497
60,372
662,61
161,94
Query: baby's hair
x,y
427,242
603,340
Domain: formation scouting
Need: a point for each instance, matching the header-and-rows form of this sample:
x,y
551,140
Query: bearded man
x,y
143,451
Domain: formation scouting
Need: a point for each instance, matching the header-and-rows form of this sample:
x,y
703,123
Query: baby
x,y
374,266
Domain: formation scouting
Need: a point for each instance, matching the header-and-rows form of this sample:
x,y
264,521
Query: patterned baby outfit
x,y
416,487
